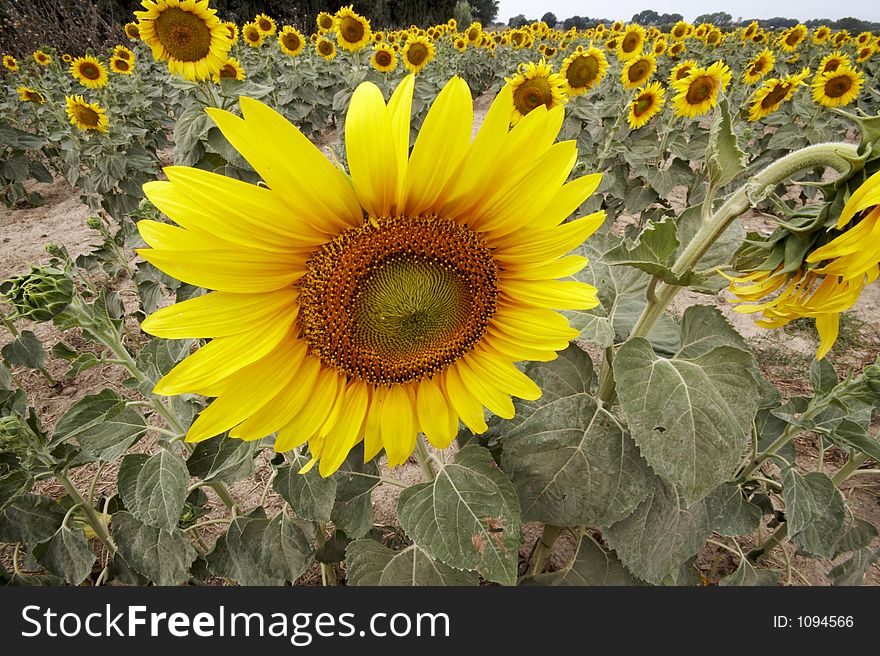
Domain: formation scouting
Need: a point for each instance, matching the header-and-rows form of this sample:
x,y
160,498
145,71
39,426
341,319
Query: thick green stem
x,y
849,468
424,459
223,493
541,554
9,325
92,517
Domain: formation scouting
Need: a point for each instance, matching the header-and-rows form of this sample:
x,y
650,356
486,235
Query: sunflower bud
x,y
39,295
94,223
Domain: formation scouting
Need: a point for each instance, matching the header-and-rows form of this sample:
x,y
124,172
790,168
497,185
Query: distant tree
x,y
777,22
717,18
852,24
550,19
463,14
577,22
518,21
646,17
485,11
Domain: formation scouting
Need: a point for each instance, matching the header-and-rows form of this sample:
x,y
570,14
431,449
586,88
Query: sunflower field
x,y
445,305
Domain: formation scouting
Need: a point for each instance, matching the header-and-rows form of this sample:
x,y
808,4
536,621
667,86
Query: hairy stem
x,y
541,554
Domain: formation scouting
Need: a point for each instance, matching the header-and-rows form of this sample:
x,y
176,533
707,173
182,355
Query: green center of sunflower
x,y
531,94
700,90
86,116
291,41
417,54
383,58
185,35
643,104
351,29
838,86
394,301
639,71
89,71
630,42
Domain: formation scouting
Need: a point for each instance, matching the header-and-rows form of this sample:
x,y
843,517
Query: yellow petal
x,y
562,268
436,419
306,423
482,390
556,294
346,433
370,146
166,236
828,326
373,425
468,408
400,110
503,375
398,425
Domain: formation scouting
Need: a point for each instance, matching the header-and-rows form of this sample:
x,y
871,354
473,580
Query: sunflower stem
x,y
424,459
543,548
92,517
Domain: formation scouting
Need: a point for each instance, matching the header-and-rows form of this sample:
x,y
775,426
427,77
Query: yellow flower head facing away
x,y
832,277
187,34
372,305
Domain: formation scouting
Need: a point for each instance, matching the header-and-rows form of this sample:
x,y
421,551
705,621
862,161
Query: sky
x,y
690,9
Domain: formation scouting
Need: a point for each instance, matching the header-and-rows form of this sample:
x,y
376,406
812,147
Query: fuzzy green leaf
x,y
26,351
353,508
746,575
310,495
815,511
370,563
222,459
724,158
154,488
592,565
67,554
162,556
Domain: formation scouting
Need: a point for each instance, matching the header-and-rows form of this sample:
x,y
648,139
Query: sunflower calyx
x,y
40,295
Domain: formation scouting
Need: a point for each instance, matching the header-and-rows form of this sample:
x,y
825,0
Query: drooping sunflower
x,y
775,91
637,71
324,21
383,59
698,92
26,94
372,307
123,53
352,30
120,65
187,34
266,24
821,34
631,42
749,32
85,115
89,72
759,67
291,41
837,88
681,70
648,102
583,70
251,35
326,48
849,260
417,53
536,85
232,70
832,62
132,31
10,63
42,58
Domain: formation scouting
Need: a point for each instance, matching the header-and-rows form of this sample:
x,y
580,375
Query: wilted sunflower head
x,y
352,30
188,35
291,41
372,306
85,115
536,85
583,70
89,72
417,53
837,88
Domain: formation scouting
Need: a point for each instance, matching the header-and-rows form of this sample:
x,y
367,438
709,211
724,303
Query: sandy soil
x,y
784,356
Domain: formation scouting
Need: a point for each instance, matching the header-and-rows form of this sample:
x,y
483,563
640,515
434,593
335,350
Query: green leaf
x,y
103,425
595,326
852,571
570,460
370,563
83,361
30,519
154,488
814,510
468,517
67,554
823,377
14,483
159,356
353,508
26,351
859,534
652,252
162,556
660,535
724,158
222,459
6,382
691,418
704,328
721,251
591,565
310,495
259,551
731,513
746,575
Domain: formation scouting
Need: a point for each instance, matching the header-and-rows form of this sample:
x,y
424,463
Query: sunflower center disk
x,y
838,86
532,93
352,30
417,54
582,71
397,301
700,90
185,35
86,115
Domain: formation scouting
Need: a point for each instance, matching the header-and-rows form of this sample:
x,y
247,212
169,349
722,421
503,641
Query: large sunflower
x,y
648,101
775,91
383,59
637,71
371,307
756,69
536,85
583,70
352,30
631,42
186,34
837,88
418,51
85,115
698,92
89,72
291,41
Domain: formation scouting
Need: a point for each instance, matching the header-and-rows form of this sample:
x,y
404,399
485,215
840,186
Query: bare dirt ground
x,y
784,357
